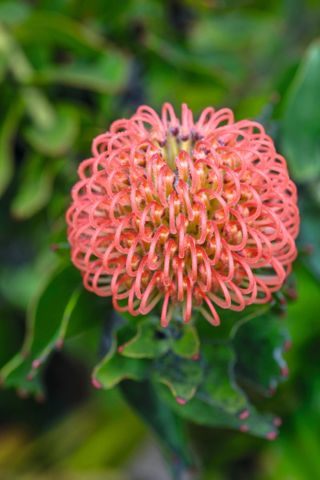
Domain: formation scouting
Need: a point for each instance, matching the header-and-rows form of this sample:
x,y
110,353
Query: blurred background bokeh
x,y
67,69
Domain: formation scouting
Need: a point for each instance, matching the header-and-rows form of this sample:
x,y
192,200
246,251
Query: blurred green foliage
x,y
67,69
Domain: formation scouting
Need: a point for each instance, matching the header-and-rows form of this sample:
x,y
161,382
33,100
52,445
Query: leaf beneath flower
x,y
151,340
188,344
199,411
219,387
259,346
114,368
182,376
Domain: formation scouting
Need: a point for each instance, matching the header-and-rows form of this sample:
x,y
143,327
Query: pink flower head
x,y
198,213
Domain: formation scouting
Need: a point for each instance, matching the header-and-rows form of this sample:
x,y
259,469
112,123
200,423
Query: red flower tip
x,y
200,213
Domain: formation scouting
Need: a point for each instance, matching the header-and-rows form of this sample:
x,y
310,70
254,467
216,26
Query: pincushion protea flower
x,y
198,213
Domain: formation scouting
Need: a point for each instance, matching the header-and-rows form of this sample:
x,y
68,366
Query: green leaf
x,y
167,425
16,374
218,66
214,397
60,311
13,56
107,74
182,376
230,322
46,314
200,411
8,130
58,136
259,346
301,119
150,341
3,66
187,344
13,12
87,312
233,31
18,285
219,386
49,27
114,368
35,188
309,237
306,308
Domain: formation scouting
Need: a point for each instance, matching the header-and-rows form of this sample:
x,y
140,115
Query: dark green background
x,y
67,69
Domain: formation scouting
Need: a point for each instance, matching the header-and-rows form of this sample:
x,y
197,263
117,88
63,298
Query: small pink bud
x,y
181,401
271,436
292,293
283,301
59,343
287,345
277,422
36,363
308,248
96,383
243,415
243,428
272,390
